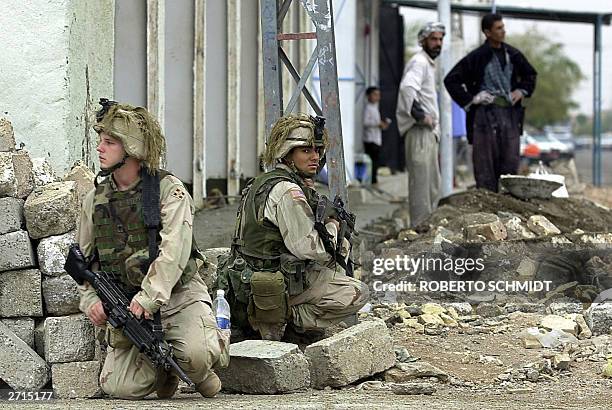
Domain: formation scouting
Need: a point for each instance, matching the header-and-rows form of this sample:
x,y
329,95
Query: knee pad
x,y
268,302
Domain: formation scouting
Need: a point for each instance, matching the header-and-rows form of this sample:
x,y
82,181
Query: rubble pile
x,y
45,340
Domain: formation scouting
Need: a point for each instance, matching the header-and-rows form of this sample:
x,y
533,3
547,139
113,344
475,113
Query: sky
x,y
576,38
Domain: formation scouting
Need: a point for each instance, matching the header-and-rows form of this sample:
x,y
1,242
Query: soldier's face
x,y
110,150
305,159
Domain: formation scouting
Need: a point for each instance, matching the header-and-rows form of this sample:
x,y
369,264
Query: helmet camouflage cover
x,y
294,130
135,127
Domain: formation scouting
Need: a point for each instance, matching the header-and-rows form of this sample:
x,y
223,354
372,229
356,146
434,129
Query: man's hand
x,y
138,310
428,121
516,96
483,97
96,314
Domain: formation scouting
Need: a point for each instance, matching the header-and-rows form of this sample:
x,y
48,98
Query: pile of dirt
x,y
567,214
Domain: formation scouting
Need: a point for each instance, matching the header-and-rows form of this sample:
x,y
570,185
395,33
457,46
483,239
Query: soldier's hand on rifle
x,y
137,309
96,314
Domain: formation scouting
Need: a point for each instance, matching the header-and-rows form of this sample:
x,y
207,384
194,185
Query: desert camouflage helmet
x,y
135,127
294,130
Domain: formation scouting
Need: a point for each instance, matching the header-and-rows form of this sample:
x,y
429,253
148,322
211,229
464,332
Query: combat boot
x,y
210,386
167,384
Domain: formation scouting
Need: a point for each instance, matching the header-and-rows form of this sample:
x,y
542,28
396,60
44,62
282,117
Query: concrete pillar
x,y
57,62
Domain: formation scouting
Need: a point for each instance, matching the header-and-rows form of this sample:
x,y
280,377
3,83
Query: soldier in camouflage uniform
x,y
279,273
112,231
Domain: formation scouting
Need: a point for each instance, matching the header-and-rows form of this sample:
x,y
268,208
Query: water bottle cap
x,y
220,292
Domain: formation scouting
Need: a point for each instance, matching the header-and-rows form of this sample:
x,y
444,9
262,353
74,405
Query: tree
x,y
558,77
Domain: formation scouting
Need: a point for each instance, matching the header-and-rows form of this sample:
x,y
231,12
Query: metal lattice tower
x,y
273,13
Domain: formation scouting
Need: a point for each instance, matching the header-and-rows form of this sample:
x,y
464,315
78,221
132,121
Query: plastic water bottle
x,y
222,311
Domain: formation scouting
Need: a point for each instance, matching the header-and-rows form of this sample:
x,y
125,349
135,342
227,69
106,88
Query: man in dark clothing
x,y
489,83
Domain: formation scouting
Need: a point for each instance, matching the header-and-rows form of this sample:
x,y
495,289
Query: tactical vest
x,y
120,232
255,237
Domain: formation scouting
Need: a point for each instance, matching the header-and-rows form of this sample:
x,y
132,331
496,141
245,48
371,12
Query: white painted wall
x,y
56,61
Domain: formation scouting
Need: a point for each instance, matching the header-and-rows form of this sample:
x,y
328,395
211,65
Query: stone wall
x,y
45,341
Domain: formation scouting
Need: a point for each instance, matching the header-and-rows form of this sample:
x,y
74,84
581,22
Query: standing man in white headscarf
x,y
418,121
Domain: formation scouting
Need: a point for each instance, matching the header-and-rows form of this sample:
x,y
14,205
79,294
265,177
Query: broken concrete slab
x,y
8,181
599,318
42,172
16,251
487,309
11,210
83,177
23,327
7,136
52,209
60,295
76,379
68,339
52,253
492,231
20,367
403,372
265,367
359,351
22,165
541,226
517,230
550,322
20,293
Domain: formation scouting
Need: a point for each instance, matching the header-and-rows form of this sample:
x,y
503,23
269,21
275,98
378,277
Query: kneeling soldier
x,y
112,232
279,272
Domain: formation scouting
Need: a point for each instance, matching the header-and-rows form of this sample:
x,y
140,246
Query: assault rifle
x,y
328,209
143,333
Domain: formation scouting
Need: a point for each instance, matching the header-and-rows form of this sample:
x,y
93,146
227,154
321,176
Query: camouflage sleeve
x,y
85,239
288,209
175,248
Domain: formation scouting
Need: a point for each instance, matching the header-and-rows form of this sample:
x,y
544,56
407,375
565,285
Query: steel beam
x,y
322,15
597,180
272,77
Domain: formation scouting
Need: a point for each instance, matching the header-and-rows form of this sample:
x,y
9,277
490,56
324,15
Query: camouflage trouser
x,y
128,374
330,297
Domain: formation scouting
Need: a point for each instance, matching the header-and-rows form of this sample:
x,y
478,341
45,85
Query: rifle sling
x,y
152,219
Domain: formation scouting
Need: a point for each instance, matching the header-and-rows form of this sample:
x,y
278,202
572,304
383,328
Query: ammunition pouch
x,y
116,339
269,302
234,276
293,269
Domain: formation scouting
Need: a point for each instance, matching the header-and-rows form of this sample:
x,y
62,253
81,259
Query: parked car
x,y
584,141
529,149
550,147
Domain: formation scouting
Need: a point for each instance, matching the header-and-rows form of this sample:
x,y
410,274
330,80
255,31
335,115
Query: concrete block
x,y
517,230
541,226
357,352
76,379
23,173
23,327
60,295
83,177
492,231
8,182
265,367
16,251
52,253
42,172
20,366
52,209
550,322
599,318
68,339
20,293
11,210
7,136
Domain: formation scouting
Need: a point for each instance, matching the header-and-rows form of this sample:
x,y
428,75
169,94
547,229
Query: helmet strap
x,y
107,171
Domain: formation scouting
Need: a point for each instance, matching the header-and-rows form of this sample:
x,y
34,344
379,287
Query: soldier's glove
x,y
484,98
